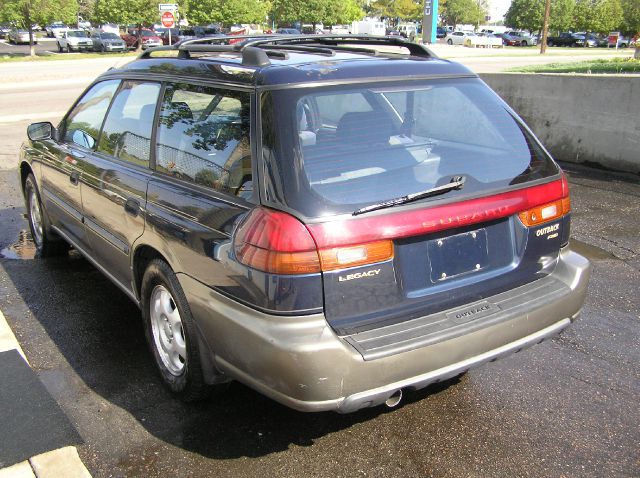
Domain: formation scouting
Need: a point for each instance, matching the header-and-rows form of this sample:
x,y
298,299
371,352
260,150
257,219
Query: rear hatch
x,y
428,195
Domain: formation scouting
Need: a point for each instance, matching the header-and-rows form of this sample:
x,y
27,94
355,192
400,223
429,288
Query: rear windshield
x,y
334,150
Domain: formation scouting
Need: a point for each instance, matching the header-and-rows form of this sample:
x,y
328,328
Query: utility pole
x,y
545,27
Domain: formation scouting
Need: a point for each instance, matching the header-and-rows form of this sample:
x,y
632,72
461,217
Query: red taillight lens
x,y
276,242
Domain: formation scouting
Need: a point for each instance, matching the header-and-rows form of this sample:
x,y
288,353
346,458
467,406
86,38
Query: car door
x,y
203,178
114,191
63,160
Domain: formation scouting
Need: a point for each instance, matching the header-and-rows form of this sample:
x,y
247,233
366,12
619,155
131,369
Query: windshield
x,y
354,146
77,34
109,36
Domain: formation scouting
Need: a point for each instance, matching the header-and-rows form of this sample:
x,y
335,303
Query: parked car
x,y
441,32
370,244
494,40
206,31
109,28
455,38
475,40
524,38
288,31
56,30
510,40
566,39
18,36
107,42
149,39
74,40
5,28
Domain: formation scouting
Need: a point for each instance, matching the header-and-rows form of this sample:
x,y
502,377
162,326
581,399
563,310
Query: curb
x,y
64,462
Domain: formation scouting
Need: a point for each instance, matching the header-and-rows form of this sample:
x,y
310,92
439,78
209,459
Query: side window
x,y
203,137
82,124
126,133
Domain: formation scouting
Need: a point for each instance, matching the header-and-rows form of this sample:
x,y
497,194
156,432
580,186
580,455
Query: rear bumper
x,y
300,361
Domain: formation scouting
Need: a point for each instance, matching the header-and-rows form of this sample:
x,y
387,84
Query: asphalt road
x,y
567,407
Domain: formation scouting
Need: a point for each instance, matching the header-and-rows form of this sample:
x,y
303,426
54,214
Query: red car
x,y
149,39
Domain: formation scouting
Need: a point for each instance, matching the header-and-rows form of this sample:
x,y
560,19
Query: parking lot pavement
x,y
567,407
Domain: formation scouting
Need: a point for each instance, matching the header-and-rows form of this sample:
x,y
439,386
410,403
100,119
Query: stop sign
x,y
167,19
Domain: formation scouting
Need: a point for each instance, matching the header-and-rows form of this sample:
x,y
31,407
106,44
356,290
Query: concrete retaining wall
x,y
578,118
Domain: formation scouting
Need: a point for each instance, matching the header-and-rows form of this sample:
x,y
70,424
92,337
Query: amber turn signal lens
x,y
352,256
545,213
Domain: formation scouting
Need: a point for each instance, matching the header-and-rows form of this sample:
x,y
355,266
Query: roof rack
x,y
256,49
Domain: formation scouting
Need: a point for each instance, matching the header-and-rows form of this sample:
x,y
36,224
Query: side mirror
x,y
40,131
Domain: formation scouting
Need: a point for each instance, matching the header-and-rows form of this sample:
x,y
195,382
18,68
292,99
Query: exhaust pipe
x,y
394,399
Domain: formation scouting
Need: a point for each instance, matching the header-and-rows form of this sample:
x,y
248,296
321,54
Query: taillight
x,y
352,256
549,211
275,242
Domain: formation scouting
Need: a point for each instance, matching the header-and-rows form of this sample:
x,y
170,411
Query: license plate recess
x,y
458,255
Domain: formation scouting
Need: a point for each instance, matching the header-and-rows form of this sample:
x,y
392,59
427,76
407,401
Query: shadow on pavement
x,y
99,333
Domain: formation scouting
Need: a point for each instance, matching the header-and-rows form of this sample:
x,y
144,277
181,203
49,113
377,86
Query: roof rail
x,y
256,49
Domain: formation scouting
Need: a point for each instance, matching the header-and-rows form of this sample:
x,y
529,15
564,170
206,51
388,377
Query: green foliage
x,y
600,16
525,15
26,12
125,12
561,15
454,12
631,16
329,12
402,9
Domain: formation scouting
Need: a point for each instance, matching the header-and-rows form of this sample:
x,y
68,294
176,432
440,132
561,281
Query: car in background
x,y
206,31
20,36
56,29
590,39
74,40
5,28
525,38
475,40
177,35
107,42
494,40
441,32
510,40
149,39
288,31
392,32
455,38
109,28
566,39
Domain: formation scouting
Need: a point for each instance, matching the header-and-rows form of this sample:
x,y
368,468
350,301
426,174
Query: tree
x,y
127,12
631,16
309,11
231,12
463,11
407,9
562,15
599,16
25,13
525,15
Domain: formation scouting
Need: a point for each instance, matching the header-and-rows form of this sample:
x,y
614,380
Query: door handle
x,y
74,177
132,206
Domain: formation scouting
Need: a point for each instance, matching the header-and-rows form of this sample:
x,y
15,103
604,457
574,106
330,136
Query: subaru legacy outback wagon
x,y
324,222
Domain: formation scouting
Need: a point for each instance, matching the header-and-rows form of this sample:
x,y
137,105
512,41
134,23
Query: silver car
x,y
107,42
19,36
77,40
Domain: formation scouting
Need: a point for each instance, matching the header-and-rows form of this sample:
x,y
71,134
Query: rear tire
x,y
171,333
47,244
449,41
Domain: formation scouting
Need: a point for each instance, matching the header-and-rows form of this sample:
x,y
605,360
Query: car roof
x,y
282,61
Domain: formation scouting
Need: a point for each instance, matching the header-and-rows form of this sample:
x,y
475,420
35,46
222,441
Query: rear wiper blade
x,y
456,183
